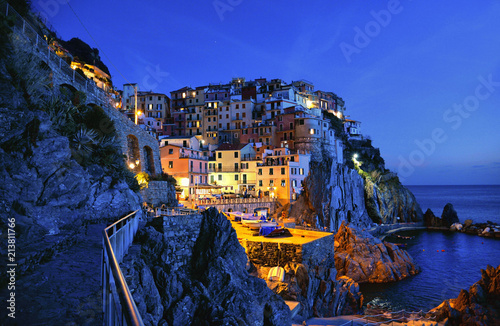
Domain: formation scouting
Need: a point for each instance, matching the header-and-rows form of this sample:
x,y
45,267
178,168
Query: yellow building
x,y
234,166
281,174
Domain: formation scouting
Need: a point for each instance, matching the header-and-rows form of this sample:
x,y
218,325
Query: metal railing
x,y
118,305
174,211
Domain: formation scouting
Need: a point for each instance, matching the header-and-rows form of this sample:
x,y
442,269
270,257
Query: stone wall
x,y
270,254
180,233
158,193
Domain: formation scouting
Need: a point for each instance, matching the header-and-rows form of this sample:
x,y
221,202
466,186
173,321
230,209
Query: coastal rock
x,y
365,258
449,215
478,306
333,193
467,223
214,289
388,201
430,219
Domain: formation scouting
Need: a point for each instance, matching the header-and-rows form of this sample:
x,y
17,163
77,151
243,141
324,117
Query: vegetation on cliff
x,y
59,165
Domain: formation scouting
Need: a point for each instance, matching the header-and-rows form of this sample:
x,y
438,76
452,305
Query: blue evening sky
x,y
422,76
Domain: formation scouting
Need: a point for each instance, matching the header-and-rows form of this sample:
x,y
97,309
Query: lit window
x,y
283,183
170,164
311,131
301,171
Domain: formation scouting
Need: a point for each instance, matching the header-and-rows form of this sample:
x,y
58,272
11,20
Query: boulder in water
x,y
456,227
449,215
467,223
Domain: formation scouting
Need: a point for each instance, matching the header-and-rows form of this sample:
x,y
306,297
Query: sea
x,y
449,261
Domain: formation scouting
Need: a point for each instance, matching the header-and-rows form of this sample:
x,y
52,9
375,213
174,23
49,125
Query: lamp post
x,y
135,110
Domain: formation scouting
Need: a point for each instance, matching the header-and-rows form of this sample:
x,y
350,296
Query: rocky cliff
x,y
388,201
214,289
57,172
365,258
333,193
478,306
314,284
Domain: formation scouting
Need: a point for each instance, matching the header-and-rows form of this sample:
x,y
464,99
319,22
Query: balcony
x,y
228,170
193,156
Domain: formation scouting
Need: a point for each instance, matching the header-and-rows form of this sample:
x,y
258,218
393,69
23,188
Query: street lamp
x,y
135,109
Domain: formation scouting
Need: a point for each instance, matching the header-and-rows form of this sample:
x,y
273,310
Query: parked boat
x,y
249,219
276,274
279,233
267,227
234,216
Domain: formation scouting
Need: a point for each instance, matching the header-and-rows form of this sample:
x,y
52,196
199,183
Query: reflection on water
x,y
444,273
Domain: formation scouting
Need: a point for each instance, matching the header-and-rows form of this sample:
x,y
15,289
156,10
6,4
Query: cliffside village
x,y
246,138
240,139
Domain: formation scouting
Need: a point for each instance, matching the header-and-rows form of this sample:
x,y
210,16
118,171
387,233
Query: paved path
x,y
64,291
335,321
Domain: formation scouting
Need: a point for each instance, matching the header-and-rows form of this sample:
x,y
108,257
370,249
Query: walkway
x,y
66,290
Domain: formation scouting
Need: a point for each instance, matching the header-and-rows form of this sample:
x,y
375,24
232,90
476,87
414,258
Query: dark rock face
x,y
430,219
48,192
387,200
449,215
478,306
333,194
215,290
364,258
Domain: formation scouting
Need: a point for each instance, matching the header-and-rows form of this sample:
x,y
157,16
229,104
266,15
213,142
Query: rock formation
x,y
332,194
388,201
478,306
364,258
214,289
449,215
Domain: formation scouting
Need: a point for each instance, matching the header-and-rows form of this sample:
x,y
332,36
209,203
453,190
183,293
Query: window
x,y
243,106
200,166
291,125
271,172
283,183
171,151
244,115
170,164
236,166
192,180
184,143
301,171
260,172
260,183
235,154
301,121
219,155
280,118
282,170
150,106
158,106
219,177
271,183
237,106
219,166
311,131
294,183
235,177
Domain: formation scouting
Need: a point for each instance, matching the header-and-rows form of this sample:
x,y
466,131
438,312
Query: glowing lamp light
x,y
355,156
131,165
185,182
